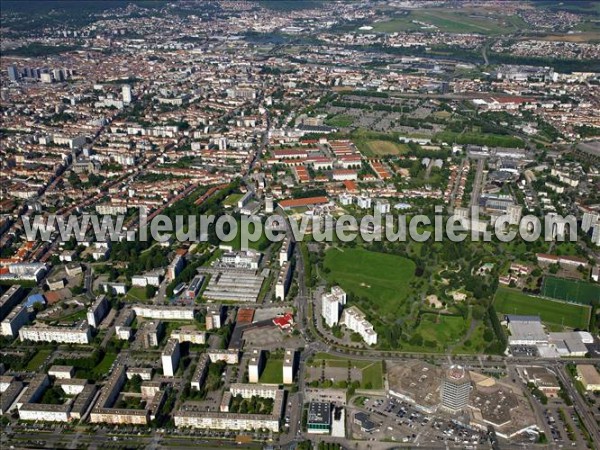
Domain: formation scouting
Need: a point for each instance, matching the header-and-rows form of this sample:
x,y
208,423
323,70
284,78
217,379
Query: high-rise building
x,y
255,365
269,203
126,91
97,311
456,388
13,73
170,358
331,304
289,366
588,220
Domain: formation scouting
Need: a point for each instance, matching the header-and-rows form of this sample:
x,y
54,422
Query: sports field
x,y
381,277
509,301
574,291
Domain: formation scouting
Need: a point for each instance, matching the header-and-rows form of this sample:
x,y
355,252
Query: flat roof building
x,y
319,418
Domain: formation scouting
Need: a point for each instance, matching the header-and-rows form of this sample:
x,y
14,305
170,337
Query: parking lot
x,y
401,422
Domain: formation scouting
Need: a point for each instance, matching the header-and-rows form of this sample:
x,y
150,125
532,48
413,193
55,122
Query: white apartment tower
x,y
126,92
255,366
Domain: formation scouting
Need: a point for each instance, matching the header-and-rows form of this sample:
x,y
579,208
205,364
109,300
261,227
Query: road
x,y
477,184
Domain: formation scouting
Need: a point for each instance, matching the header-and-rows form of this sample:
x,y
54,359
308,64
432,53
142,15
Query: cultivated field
x,y
509,301
382,278
570,290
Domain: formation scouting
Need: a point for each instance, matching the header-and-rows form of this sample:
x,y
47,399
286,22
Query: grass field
x,y
340,121
381,277
104,365
136,293
451,21
232,199
38,359
372,372
570,290
372,376
509,301
382,148
273,372
444,330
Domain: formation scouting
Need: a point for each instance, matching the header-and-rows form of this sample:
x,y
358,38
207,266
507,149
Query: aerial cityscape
x,y
300,224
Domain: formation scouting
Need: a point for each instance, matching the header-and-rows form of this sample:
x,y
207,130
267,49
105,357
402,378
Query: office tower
x,y
456,387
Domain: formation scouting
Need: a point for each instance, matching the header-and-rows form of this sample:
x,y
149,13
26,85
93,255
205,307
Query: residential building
x,y
354,319
97,311
80,334
255,365
170,358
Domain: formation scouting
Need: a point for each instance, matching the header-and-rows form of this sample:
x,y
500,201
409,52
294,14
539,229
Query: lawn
x,y
371,372
136,293
38,359
232,199
340,121
372,376
509,301
442,329
570,290
382,148
381,277
104,365
261,244
273,372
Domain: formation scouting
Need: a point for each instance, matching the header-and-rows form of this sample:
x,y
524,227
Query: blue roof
x,y
35,298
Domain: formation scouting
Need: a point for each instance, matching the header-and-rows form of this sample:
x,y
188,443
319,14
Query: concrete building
x,y
126,93
194,287
9,395
285,253
199,375
214,317
319,418
589,377
456,388
331,305
354,319
245,259
38,333
283,281
15,320
191,336
229,356
289,366
123,322
526,330
97,311
255,365
9,299
170,358
164,312
62,372
175,267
